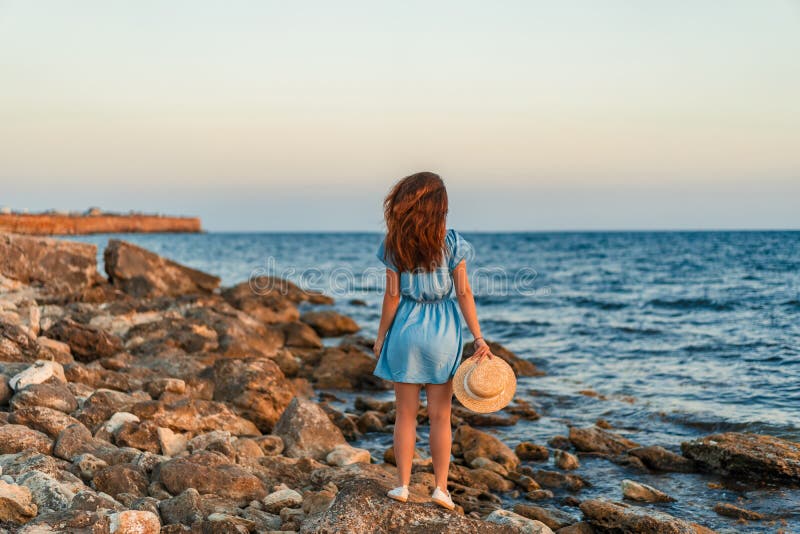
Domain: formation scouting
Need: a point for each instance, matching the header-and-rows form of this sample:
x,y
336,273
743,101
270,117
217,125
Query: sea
x,y
668,336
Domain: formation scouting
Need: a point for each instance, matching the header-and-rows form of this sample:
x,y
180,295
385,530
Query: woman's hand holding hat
x,y
482,350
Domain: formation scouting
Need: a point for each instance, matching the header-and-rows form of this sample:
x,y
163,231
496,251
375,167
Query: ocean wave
x,y
691,304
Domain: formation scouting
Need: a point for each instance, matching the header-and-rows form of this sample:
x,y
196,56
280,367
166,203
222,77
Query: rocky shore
x,y
152,400
95,222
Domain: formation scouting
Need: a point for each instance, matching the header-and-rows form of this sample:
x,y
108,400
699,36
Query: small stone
x,y
345,454
134,522
532,452
39,372
286,498
729,510
172,443
636,491
565,460
539,495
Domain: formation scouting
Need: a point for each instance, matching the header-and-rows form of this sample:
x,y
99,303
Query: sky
x,y
275,116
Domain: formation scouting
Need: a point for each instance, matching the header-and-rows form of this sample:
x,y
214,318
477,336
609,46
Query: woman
x,y
419,337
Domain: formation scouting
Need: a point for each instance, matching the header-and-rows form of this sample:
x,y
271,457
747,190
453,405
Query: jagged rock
x,y
593,439
521,366
752,456
87,343
16,503
16,345
41,371
142,436
328,323
307,431
255,387
475,443
211,472
17,438
171,443
49,493
532,452
52,350
637,491
194,415
121,478
185,507
134,522
518,523
18,464
142,273
55,396
271,445
346,454
619,517
362,507
556,479
661,459
565,460
59,267
284,498
729,510
46,420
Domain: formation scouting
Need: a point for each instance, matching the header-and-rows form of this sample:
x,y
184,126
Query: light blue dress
x,y
423,344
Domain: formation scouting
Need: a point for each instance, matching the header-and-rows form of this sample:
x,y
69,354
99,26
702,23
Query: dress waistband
x,y
424,301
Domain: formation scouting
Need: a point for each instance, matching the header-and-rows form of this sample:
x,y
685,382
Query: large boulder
x,y
521,366
210,472
362,507
660,459
307,430
142,273
346,368
476,444
58,267
609,516
195,415
752,456
255,387
594,439
17,438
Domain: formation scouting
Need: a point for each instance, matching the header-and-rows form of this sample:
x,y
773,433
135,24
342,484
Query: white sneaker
x,y
399,494
442,498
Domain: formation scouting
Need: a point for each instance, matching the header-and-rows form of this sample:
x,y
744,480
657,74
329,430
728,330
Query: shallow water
x,y
700,329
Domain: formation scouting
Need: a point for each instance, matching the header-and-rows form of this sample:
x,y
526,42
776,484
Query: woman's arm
x,y
466,301
391,299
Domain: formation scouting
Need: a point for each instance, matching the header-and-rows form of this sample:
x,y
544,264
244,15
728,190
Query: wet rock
x,y
345,454
142,273
560,442
475,443
328,323
485,463
86,343
521,366
532,452
752,456
255,387
211,473
729,510
17,438
46,420
134,522
307,431
577,528
539,495
637,491
565,460
41,371
362,507
518,523
593,439
55,396
523,481
659,458
285,498
369,422
346,368
618,517
59,267
556,479
549,515
121,478
16,503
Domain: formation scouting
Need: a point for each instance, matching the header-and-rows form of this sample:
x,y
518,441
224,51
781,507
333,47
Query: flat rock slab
x,y
607,516
752,456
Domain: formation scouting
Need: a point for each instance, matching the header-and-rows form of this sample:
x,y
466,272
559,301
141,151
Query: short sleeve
x,y
459,248
381,254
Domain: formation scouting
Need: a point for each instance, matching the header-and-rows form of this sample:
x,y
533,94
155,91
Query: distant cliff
x,y
94,222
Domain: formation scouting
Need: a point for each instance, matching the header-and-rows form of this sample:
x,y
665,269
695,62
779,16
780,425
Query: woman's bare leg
x,y
405,428
439,403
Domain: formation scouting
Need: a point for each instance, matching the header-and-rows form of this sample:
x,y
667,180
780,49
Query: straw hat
x,y
484,387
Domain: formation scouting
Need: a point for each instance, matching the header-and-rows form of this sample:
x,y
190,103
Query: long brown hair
x,y
415,211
